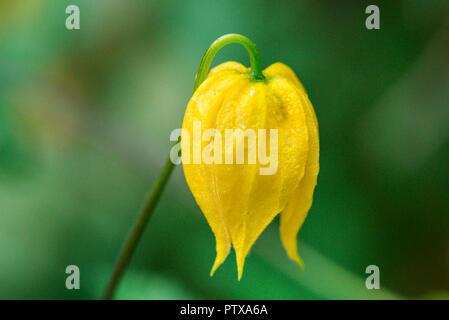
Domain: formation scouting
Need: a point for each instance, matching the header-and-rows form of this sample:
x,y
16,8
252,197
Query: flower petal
x,y
249,201
203,107
296,211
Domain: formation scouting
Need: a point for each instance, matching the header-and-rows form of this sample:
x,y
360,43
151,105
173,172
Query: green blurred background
x,y
85,118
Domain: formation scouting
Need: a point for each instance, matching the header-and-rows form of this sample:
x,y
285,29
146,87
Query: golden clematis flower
x,y
240,199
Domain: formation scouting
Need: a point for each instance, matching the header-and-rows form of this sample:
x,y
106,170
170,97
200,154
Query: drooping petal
x,y
202,109
234,182
250,200
296,211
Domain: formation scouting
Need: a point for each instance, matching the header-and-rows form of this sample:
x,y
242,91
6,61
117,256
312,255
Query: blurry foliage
x,y
85,118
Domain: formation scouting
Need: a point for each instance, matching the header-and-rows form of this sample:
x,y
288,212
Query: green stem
x,y
150,203
254,58
137,230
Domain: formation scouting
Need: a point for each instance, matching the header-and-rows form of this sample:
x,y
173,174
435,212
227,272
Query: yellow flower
x,y
240,199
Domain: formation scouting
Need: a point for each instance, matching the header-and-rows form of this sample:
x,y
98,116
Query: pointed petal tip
x,y
299,261
292,252
217,263
295,257
240,256
222,253
240,273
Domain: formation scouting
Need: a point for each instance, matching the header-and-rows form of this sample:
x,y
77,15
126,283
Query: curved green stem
x,y
150,203
254,58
